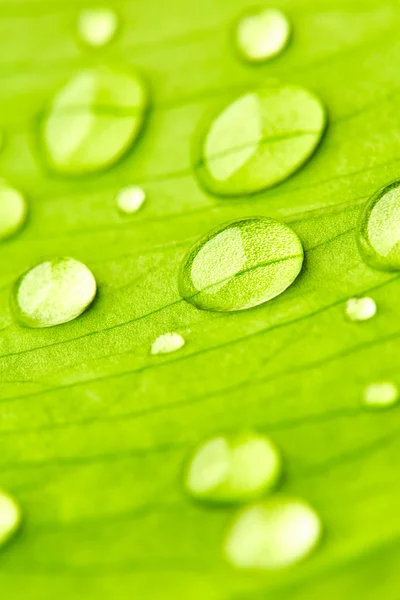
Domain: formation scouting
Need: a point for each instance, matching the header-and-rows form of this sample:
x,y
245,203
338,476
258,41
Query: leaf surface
x,y
94,430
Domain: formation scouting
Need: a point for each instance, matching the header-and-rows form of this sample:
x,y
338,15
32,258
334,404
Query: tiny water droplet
x,y
273,534
168,342
379,229
241,265
130,199
93,120
360,309
55,291
382,394
262,34
258,140
10,517
233,468
98,26
13,210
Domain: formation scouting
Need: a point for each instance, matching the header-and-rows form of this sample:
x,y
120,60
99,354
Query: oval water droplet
x,y
273,534
360,309
262,34
241,265
55,291
97,26
13,210
93,120
379,229
233,468
130,199
10,517
258,140
168,342
383,394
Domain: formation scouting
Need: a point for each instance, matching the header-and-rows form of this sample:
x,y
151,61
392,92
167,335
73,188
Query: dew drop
x,y
379,229
130,199
273,534
13,210
262,34
234,468
97,27
10,517
168,342
241,265
258,140
360,309
93,120
55,291
382,394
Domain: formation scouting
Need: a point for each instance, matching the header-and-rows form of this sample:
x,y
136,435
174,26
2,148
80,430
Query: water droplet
x,y
168,342
93,120
258,140
130,199
234,468
54,292
379,230
381,395
10,517
360,309
13,210
97,27
241,265
273,534
262,34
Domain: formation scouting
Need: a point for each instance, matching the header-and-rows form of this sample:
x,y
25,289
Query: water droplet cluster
x,y
235,469
254,142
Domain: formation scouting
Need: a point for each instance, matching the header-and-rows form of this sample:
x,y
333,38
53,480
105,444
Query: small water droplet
x,y
262,34
379,229
10,517
258,140
93,120
168,342
273,534
241,265
360,309
382,394
97,27
130,199
234,468
55,291
13,210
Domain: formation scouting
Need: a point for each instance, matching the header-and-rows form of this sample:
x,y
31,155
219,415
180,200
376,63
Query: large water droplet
x,y
258,140
360,309
240,265
130,199
234,468
382,394
97,27
53,292
273,534
93,120
262,34
168,342
13,210
10,517
379,230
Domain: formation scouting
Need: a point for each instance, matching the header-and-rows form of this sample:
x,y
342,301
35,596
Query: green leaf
x,y
94,428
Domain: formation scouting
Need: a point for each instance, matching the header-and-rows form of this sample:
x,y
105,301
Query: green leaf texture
x,y
94,430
